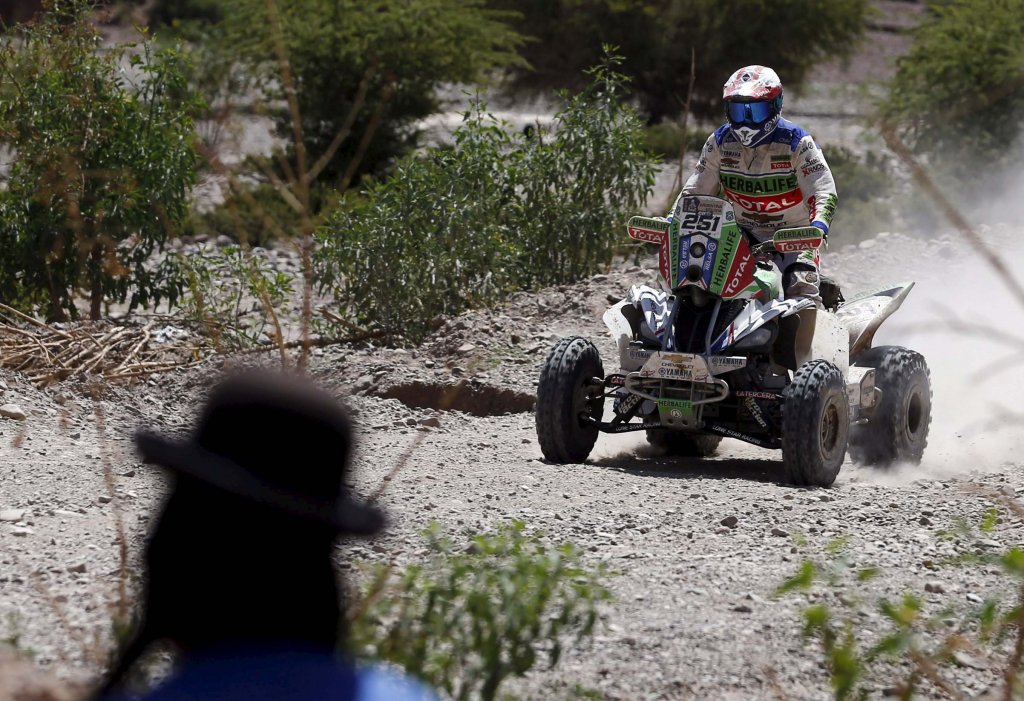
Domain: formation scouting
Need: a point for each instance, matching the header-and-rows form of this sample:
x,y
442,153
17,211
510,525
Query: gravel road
x,y
697,547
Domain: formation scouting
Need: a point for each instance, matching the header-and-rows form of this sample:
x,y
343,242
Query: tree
x,y
102,167
377,60
659,37
959,92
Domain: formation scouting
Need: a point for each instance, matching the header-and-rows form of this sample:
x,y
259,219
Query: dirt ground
x,y
693,615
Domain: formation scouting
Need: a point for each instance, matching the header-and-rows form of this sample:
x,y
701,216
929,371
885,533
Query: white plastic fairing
x,y
830,338
652,306
863,315
755,315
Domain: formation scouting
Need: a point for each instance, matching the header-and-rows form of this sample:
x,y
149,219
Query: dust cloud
x,y
969,325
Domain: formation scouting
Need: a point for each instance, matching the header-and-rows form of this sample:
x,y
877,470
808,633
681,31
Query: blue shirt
x,y
293,673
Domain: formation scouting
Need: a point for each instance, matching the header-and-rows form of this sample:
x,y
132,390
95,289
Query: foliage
x,y
101,170
659,37
866,185
918,642
173,12
959,93
402,52
496,212
255,216
228,292
471,617
666,139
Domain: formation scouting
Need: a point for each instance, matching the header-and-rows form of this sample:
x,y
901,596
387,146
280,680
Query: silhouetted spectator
x,y
239,572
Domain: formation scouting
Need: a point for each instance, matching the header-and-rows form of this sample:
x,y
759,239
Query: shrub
x,y
228,293
959,92
918,645
255,216
102,166
496,212
471,617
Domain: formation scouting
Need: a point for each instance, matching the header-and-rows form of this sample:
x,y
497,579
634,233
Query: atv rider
x,y
770,169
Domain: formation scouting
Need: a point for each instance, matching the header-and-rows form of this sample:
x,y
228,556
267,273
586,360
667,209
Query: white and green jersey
x,y
782,182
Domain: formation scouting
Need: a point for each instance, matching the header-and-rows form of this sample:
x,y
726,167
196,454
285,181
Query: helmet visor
x,y
753,113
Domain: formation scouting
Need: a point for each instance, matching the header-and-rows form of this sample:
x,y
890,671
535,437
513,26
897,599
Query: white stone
x,y
12,411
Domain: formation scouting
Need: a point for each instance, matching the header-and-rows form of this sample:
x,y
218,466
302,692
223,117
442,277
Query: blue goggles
x,y
755,113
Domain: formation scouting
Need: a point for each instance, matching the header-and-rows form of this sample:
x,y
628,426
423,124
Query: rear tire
x,y
815,424
565,395
688,445
897,431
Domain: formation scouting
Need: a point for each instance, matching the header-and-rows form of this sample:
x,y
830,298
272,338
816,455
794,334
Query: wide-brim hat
x,y
274,440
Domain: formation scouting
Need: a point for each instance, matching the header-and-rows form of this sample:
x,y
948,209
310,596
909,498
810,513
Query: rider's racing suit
x,y
782,182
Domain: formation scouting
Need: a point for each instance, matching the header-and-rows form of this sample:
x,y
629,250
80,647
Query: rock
x,y
730,521
431,422
20,532
974,598
934,588
12,515
77,569
104,499
742,608
12,411
870,243
466,348
925,521
363,383
779,533
965,660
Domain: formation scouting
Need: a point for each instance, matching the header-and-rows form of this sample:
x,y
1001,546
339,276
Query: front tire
x,y
566,397
688,445
897,431
815,424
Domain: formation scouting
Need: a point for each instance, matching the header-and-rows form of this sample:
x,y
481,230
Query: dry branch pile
x,y
48,354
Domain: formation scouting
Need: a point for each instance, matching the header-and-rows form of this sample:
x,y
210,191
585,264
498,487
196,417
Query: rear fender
x,y
862,316
820,336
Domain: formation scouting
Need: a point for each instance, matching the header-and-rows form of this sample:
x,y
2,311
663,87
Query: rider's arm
x,y
816,182
704,179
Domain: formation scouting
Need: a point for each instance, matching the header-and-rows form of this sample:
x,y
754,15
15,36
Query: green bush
x,y
471,617
227,294
665,140
917,646
254,216
496,212
959,93
102,167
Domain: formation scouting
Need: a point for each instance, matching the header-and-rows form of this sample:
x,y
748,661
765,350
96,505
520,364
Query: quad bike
x,y
721,352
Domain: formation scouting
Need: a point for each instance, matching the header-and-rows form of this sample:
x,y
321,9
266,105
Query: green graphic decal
x,y
762,185
673,251
727,247
828,209
769,281
675,408
799,234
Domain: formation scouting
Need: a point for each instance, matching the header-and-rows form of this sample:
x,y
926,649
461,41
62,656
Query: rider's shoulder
x,y
723,134
786,132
